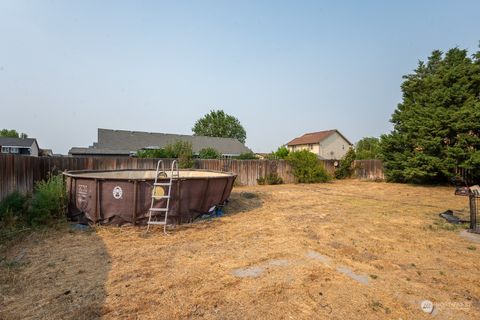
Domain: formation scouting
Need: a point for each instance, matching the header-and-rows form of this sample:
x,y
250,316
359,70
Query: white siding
x,y
334,147
313,147
34,150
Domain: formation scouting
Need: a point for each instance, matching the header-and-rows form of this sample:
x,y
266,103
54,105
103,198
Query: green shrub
x,y
47,205
185,162
209,153
49,201
345,168
247,156
306,167
182,150
152,153
368,148
176,149
12,209
270,179
13,203
282,153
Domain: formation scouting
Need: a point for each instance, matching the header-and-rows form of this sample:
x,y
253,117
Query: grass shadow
x,y
242,201
54,274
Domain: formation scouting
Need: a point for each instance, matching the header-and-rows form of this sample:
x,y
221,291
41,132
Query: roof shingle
x,y
16,142
315,137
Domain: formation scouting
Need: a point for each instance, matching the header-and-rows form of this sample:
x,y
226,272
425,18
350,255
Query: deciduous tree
x,y
12,133
219,124
368,148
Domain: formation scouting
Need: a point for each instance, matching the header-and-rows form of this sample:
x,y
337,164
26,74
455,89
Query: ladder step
x,y
159,209
160,197
162,184
157,222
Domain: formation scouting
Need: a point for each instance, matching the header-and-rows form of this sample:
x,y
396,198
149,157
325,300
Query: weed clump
x,y
345,169
45,206
270,179
49,201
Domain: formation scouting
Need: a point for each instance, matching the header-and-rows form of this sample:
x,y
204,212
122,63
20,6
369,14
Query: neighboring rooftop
x,y
315,137
96,151
21,146
16,142
122,142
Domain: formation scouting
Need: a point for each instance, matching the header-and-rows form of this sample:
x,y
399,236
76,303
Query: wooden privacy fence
x,y
19,173
368,169
466,174
249,171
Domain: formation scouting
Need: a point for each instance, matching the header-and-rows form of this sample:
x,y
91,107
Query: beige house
x,y
329,144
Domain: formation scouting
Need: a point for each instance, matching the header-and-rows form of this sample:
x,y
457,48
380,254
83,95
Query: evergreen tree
x,y
437,125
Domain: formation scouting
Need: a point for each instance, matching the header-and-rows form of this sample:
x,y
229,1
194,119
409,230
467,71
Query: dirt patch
x,y
349,273
248,272
281,252
473,237
320,257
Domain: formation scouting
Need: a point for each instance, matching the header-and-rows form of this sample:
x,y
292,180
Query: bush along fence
x,y
20,173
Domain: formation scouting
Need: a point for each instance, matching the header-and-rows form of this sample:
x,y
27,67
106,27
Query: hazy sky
x,y
283,68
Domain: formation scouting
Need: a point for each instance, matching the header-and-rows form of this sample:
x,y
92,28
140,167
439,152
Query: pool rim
x,y
76,174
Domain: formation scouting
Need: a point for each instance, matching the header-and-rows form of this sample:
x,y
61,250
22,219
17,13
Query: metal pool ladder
x,y
156,195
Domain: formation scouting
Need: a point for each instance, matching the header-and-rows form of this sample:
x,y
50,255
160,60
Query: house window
x,y
310,146
5,149
13,150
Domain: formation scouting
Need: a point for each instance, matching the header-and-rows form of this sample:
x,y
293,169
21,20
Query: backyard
x,y
346,249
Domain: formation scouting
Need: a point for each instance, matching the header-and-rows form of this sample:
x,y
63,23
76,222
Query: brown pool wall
x,y
103,197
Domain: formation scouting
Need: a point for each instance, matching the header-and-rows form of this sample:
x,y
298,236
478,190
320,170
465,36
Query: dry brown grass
x,y
297,238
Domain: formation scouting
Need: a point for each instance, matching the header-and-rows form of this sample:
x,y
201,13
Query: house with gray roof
x,y
127,143
19,146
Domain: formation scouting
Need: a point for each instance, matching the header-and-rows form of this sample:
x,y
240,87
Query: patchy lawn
x,y
347,249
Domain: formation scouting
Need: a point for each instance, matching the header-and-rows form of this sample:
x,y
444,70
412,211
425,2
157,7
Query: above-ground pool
x,y
124,196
